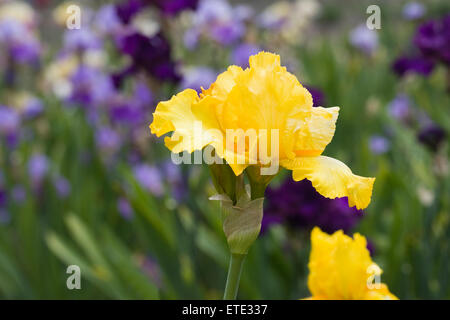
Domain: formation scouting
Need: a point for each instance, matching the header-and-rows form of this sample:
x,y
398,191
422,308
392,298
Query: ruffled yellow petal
x,y
340,268
176,115
316,131
332,179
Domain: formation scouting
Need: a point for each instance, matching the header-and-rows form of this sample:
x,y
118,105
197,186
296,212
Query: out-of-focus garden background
x,y
83,182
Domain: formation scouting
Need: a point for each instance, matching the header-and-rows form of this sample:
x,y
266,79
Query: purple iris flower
x,y
33,108
198,77
150,178
364,39
126,111
173,7
125,209
107,139
9,120
19,41
18,194
107,20
218,20
2,197
413,11
317,95
152,54
81,40
379,144
91,87
62,186
420,65
299,205
128,9
400,108
241,53
432,136
433,39
38,166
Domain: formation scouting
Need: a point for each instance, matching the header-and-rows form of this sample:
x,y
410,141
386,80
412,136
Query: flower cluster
x,y
431,45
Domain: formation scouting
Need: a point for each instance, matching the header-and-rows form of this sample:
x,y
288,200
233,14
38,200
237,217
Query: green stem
x,y
234,275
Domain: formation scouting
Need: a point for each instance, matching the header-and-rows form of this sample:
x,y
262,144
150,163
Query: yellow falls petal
x,y
332,179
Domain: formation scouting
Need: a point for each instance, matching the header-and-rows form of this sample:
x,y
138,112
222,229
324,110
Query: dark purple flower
x,y
172,7
433,39
152,54
125,209
432,136
420,65
242,52
2,197
298,204
317,96
128,9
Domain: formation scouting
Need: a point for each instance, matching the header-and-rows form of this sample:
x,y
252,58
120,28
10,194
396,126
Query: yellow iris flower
x,y
263,96
340,268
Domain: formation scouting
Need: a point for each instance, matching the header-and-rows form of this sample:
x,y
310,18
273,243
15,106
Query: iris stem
x,y
234,275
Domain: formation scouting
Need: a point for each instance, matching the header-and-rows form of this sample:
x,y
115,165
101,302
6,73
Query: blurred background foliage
x,y
83,182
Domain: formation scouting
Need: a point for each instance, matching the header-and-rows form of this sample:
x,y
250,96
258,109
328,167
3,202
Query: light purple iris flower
x,y
38,167
198,77
150,178
241,53
364,39
9,120
413,11
379,144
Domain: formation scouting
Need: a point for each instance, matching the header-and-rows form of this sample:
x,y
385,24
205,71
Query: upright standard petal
x,y
176,115
332,179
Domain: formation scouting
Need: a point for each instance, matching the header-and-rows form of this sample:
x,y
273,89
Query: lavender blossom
x,y
364,39
125,209
400,108
62,186
9,120
379,144
38,166
107,139
149,178
242,52
413,11
197,77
